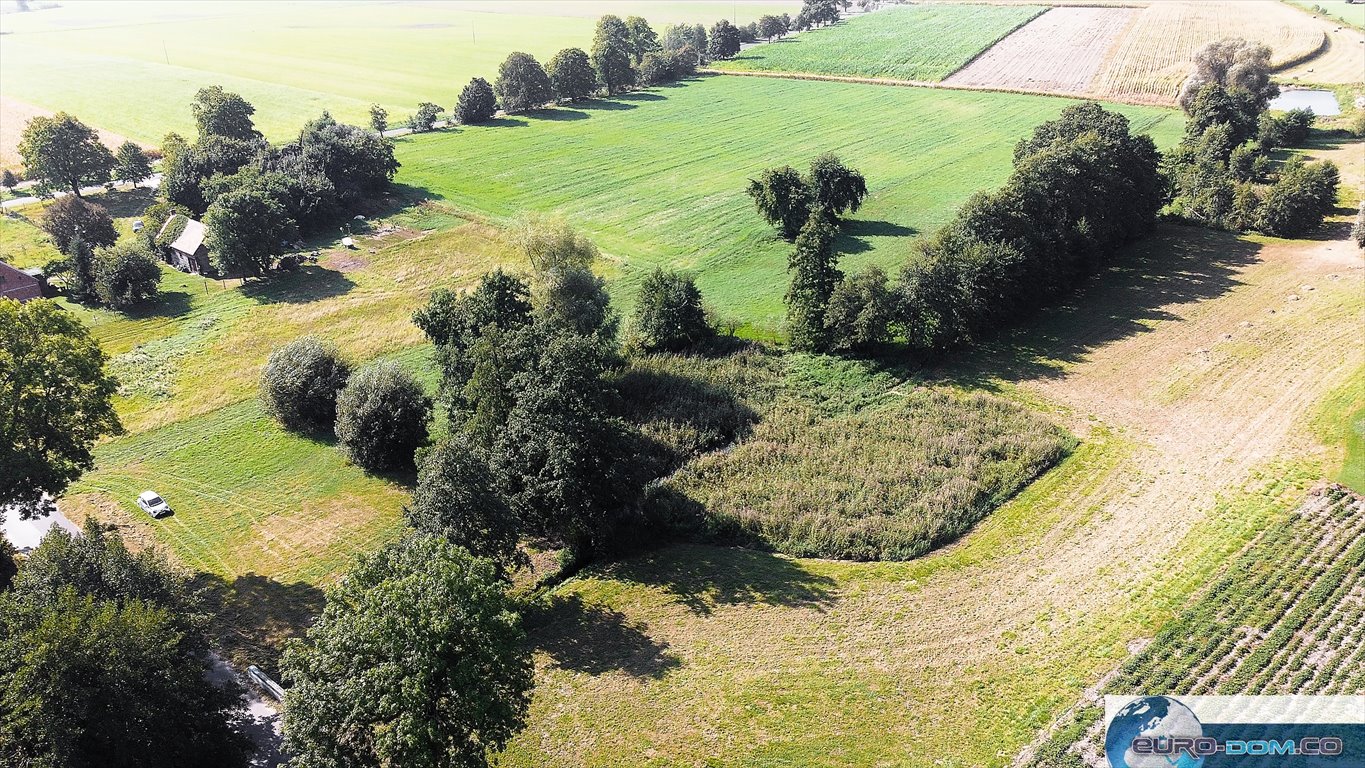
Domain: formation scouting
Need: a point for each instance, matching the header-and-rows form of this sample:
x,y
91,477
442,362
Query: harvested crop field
x,y
1058,52
1155,55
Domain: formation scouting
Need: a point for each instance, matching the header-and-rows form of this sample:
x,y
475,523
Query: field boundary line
x,y
999,40
1088,96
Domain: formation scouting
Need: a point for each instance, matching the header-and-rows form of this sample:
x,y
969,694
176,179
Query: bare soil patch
x,y
14,115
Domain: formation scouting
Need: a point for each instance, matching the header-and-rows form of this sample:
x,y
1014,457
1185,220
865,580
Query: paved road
x,y
98,189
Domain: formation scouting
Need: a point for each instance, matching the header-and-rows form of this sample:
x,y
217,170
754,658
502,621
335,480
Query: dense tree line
x,y
1082,185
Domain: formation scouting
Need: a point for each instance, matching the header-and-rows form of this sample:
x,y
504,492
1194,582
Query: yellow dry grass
x,y
1153,58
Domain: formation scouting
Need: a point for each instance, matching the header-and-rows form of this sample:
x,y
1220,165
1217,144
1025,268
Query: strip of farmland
x,y
1059,52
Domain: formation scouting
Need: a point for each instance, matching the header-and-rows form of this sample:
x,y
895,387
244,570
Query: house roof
x,y
191,239
15,284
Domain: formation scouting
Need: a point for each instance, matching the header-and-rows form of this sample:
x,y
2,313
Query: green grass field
x,y
925,43
1347,13
658,177
133,68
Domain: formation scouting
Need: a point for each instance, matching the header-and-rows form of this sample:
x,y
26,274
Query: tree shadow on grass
x,y
1175,265
854,237
616,104
558,114
253,616
595,639
122,203
306,284
167,304
705,577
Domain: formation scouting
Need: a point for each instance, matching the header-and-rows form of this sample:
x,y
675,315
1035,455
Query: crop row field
x,y
1286,617
920,42
659,177
132,68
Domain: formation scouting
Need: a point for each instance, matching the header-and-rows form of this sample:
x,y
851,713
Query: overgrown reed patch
x,y
873,474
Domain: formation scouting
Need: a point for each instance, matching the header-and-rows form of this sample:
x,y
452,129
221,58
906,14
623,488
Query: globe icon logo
x,y
1152,717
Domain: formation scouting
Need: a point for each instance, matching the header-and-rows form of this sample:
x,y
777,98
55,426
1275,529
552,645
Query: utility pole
x,y
164,53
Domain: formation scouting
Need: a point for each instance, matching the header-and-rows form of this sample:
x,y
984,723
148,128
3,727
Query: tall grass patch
x,y
888,478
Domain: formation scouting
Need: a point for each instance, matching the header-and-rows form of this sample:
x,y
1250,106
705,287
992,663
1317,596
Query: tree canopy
x,y
668,312
245,230
455,498
64,152
131,165
783,198
417,660
218,112
126,274
55,401
301,381
522,84
572,75
382,417
725,40
611,54
68,216
477,102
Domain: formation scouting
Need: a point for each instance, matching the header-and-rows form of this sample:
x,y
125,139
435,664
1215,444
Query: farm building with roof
x,y
18,284
187,252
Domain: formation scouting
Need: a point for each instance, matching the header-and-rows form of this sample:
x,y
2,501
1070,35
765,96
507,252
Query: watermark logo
x,y
1241,731
1144,723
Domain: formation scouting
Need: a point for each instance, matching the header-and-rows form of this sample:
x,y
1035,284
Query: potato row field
x,y
1286,617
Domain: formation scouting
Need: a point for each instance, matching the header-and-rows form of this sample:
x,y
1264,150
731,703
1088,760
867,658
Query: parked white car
x,y
153,504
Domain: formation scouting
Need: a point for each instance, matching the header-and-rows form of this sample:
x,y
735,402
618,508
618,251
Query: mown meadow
x,y
921,42
658,177
133,69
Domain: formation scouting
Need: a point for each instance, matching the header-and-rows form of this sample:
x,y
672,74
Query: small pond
x,y
1323,103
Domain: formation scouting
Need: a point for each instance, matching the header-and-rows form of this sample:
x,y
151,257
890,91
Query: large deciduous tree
x,y
126,274
55,401
103,662
725,40
358,164
814,276
131,165
783,198
382,417
218,112
522,84
668,312
70,216
454,322
836,187
416,661
477,103
245,230
643,39
611,54
572,75
1235,64
301,381
455,498
65,153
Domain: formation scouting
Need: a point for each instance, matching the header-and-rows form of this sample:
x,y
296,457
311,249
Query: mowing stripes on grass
x,y
916,43
888,482
658,177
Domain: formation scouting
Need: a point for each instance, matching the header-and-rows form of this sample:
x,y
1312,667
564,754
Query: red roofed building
x,y
18,285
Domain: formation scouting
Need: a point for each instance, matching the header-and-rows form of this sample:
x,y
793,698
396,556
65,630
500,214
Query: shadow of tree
x,y
1175,265
122,203
254,615
558,114
595,639
307,283
606,105
167,304
855,234
703,577
681,416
